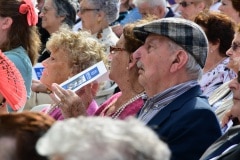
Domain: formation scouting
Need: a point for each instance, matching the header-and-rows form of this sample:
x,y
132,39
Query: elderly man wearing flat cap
x,y
170,62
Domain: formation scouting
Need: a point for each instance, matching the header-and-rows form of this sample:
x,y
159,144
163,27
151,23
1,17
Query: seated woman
x,y
220,32
71,53
54,14
223,96
124,72
96,15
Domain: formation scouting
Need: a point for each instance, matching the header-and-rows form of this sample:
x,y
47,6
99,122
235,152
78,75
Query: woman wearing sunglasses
x,y
189,9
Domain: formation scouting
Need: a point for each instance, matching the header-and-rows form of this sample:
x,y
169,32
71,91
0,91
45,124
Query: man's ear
x,y
179,61
6,23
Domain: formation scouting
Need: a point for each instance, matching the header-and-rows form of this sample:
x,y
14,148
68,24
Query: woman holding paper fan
x,y
123,71
71,53
19,39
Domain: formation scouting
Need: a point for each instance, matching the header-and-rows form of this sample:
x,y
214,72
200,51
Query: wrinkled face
x,y
234,53
56,68
88,14
189,9
154,62
227,8
50,21
119,60
235,88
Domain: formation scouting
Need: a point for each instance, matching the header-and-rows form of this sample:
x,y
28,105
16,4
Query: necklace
x,y
122,107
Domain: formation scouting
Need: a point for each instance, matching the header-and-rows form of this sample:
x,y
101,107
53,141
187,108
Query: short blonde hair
x,y
83,50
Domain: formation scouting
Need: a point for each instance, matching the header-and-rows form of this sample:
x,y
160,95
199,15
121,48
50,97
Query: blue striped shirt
x,y
155,104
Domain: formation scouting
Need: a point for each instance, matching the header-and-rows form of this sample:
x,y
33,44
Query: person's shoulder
x,y
18,50
17,53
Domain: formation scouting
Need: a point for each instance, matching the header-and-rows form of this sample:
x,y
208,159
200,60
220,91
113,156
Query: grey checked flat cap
x,y
185,33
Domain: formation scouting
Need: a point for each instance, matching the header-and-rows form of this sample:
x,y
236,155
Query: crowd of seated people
x,y
172,90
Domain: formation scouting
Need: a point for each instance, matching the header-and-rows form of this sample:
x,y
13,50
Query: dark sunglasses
x,y
115,49
235,46
184,4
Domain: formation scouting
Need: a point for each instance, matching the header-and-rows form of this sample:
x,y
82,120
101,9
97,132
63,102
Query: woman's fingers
x,y
227,116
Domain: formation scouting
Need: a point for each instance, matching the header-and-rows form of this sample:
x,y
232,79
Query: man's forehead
x,y
155,37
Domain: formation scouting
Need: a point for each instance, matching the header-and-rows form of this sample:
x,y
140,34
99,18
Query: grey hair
x,y
193,69
152,3
109,7
102,138
66,8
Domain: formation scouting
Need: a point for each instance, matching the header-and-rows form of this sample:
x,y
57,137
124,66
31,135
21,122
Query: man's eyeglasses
x,y
235,46
115,49
184,4
83,10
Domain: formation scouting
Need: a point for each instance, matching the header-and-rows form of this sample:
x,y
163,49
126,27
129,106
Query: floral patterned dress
x,y
212,79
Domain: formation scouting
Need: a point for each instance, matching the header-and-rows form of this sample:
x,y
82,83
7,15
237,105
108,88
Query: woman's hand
x,y
73,104
226,118
37,86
